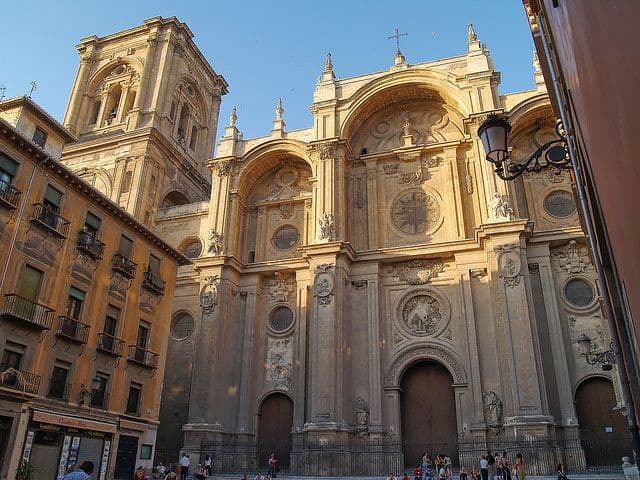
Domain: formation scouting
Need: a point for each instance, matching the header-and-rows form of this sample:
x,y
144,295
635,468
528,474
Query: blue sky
x,y
265,49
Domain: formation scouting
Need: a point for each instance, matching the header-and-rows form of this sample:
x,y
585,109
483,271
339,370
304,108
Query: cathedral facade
x,y
367,288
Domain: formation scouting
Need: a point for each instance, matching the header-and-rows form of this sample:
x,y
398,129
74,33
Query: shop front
x,y
55,442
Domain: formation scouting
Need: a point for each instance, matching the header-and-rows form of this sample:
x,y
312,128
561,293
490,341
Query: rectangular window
x,y
12,356
92,224
154,265
52,199
142,341
39,137
99,395
58,384
8,169
74,303
126,246
135,395
30,283
110,328
145,451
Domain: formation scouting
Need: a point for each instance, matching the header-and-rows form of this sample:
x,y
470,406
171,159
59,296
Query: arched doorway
x,y
603,430
428,412
274,429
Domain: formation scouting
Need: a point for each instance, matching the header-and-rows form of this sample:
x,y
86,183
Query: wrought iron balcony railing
x,y
19,380
27,312
72,329
110,344
152,282
142,356
49,219
9,195
89,244
123,266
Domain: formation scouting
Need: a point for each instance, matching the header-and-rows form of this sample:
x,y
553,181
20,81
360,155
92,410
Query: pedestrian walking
x,y
463,474
208,463
273,466
491,460
518,467
561,473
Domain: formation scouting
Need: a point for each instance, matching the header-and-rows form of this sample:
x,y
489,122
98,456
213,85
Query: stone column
x,y
143,90
249,315
329,192
373,334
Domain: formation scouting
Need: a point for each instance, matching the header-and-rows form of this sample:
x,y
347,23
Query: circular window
x,y
281,318
182,326
560,204
579,292
285,237
415,212
191,248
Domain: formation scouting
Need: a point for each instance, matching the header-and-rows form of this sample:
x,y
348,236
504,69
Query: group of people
x,y
272,472
182,469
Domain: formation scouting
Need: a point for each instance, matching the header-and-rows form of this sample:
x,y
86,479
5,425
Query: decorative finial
x,y
536,63
233,117
328,66
279,110
471,35
397,38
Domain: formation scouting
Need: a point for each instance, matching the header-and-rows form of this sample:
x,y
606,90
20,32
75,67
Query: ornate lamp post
x,y
494,133
606,359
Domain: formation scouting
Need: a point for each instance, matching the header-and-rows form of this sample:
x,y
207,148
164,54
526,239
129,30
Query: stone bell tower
x,y
144,106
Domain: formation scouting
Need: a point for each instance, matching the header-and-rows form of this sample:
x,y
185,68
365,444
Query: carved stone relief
x,y
500,210
572,258
509,264
416,272
326,151
279,364
415,212
290,180
361,408
422,314
279,287
492,409
209,294
324,284
215,243
326,230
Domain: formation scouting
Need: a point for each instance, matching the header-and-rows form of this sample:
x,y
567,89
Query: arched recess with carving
x,y
99,178
174,198
533,124
112,95
398,112
425,351
274,194
188,111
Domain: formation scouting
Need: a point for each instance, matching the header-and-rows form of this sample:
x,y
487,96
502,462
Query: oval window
x,y
579,292
560,204
281,318
182,326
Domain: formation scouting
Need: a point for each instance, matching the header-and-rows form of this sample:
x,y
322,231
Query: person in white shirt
x,y
207,465
258,477
484,468
184,466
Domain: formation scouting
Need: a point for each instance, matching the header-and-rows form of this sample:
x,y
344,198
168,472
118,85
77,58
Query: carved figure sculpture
x,y
215,243
501,208
327,228
493,409
362,416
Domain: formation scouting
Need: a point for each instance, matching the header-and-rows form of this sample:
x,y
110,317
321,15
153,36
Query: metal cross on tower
x,y
397,37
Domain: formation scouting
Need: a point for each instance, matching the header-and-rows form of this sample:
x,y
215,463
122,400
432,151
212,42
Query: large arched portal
x,y
603,430
428,412
274,429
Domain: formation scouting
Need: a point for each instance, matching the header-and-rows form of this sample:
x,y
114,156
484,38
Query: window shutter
x,y
93,221
53,196
154,264
126,245
75,293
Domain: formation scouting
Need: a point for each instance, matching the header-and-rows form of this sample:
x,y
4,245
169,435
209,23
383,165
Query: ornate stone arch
x,y
439,83
591,376
103,71
424,351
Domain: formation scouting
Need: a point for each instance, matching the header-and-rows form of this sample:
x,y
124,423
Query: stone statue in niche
x,y
279,287
492,409
422,314
362,416
500,209
215,243
327,228
571,258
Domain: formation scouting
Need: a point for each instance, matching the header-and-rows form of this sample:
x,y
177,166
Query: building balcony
x,y
152,282
142,357
19,380
89,244
50,220
9,195
124,266
27,312
110,345
72,330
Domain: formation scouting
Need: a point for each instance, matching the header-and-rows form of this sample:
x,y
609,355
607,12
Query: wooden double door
x,y
274,430
428,410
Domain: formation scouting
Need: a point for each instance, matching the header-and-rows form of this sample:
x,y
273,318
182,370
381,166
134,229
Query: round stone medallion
x,y
560,204
285,237
415,212
579,293
424,313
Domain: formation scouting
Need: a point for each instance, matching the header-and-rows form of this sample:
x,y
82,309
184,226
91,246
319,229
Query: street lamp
x,y
96,383
494,134
606,359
